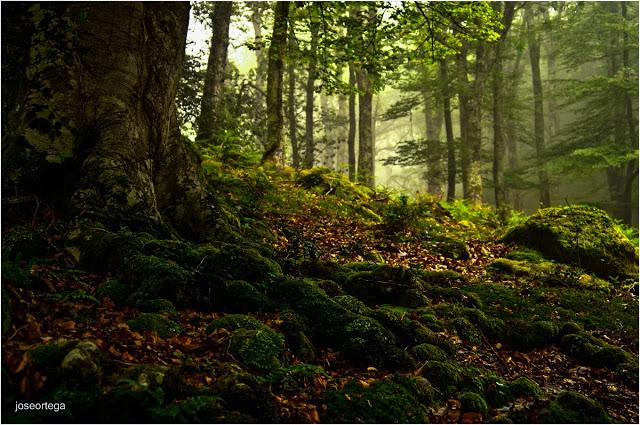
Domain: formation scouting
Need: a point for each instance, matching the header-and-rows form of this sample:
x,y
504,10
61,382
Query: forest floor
x,y
481,330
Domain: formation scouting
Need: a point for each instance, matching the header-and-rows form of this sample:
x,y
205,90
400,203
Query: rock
x,y
445,376
239,296
382,284
426,352
231,322
579,235
258,349
80,367
156,323
593,351
473,402
381,402
522,335
524,387
571,407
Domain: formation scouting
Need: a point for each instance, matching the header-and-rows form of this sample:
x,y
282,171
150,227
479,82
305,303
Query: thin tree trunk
x,y
258,9
309,143
512,140
342,154
451,150
351,140
433,125
464,109
211,109
291,104
366,170
114,152
538,114
274,81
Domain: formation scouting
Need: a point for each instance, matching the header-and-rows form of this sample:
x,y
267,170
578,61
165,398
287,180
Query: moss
x,y
324,181
258,349
524,387
75,296
452,248
569,328
156,323
407,330
241,262
441,278
231,322
352,304
365,340
628,374
473,402
593,351
418,386
513,267
465,330
113,289
49,356
580,235
160,278
198,409
295,378
492,328
24,242
330,287
293,329
384,284
571,407
13,273
500,419
524,254
523,335
325,270
425,352
80,367
159,305
381,402
445,376
130,401
242,297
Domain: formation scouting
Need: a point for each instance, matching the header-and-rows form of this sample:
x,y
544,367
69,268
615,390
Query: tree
x,y
274,81
451,151
538,114
211,110
291,101
95,131
309,144
351,139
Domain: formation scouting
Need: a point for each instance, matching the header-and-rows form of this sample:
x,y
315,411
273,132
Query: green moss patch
x,y
231,322
473,402
579,235
522,335
593,351
155,323
524,387
571,407
258,349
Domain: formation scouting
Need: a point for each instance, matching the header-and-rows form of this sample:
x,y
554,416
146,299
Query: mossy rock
x,y
366,340
159,305
571,407
198,409
409,332
130,401
352,304
13,273
325,181
446,376
465,330
156,277
493,328
593,351
524,387
239,296
258,349
441,278
524,254
156,323
452,248
418,386
48,356
115,290
293,329
384,284
570,328
579,235
473,402
231,322
81,367
74,296
325,270
522,335
426,352
628,374
381,402
295,378
239,262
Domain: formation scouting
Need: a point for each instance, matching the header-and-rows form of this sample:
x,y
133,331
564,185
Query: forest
x,y
320,212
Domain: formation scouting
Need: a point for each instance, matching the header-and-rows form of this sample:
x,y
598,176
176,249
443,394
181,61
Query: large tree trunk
x,y
538,113
433,125
448,125
513,194
342,151
291,104
274,82
211,113
309,143
351,140
97,132
464,109
366,164
257,10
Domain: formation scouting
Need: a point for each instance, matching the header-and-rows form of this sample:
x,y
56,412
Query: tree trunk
x,y
451,150
211,113
433,125
366,164
309,143
464,109
99,119
474,127
342,154
513,194
538,113
274,81
257,10
351,140
291,104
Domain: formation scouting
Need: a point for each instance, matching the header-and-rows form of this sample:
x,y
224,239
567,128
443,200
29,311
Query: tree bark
x,y
342,154
448,125
538,114
291,105
351,140
464,103
513,194
211,109
274,82
366,164
98,135
309,143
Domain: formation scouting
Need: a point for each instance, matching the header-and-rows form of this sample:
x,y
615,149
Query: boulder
x,y
579,235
